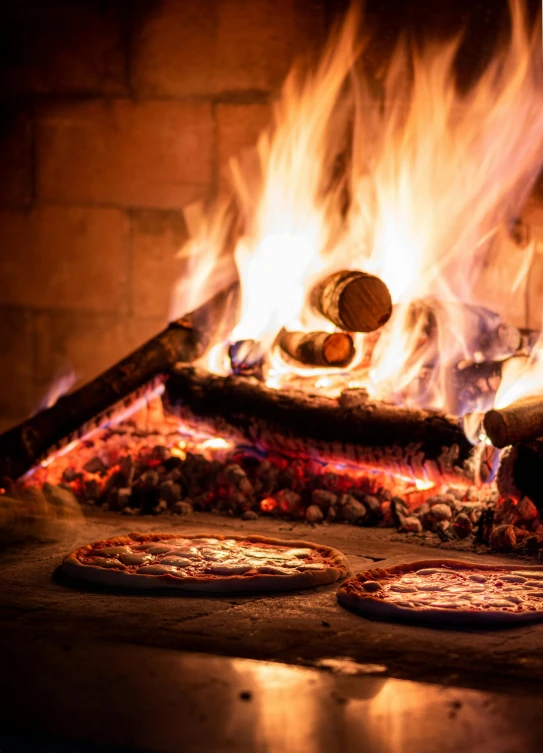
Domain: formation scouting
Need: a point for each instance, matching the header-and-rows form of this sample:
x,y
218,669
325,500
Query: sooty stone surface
x,y
304,627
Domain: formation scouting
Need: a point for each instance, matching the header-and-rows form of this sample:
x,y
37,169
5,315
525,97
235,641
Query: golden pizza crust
x,y
352,596
336,568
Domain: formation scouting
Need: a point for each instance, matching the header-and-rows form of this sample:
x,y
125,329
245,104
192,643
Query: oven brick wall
x,y
113,116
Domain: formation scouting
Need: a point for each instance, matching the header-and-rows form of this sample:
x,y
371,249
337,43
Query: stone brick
x,y
61,46
147,154
64,257
17,393
157,237
87,343
174,49
221,46
15,157
238,128
258,40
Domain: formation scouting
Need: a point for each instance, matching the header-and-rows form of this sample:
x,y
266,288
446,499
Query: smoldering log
x,y
353,301
317,348
522,421
520,472
420,443
74,415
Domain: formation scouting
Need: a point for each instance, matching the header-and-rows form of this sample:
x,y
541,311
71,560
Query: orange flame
x,y
430,176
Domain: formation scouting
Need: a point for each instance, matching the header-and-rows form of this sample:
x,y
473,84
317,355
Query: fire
x,y
522,378
414,184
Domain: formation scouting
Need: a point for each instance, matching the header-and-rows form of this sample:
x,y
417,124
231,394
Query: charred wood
x,y
520,472
76,414
521,421
317,348
417,442
246,358
353,301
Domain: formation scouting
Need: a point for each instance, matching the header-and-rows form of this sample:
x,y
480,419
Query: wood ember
x,y
76,414
417,443
317,348
519,422
353,301
139,473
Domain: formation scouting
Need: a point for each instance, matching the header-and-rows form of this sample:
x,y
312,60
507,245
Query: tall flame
x,y
413,183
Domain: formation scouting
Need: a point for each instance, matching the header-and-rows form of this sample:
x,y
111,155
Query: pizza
x,y
447,592
206,562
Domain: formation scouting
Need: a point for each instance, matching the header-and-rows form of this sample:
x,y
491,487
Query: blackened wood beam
x,y
75,414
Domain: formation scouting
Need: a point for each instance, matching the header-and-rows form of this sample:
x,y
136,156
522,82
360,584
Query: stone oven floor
x,y
42,613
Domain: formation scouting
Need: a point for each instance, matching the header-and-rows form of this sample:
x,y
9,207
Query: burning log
x,y
76,414
353,301
317,348
520,470
418,443
519,422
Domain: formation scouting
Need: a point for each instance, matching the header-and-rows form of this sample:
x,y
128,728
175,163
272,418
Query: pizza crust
x,y
336,568
352,595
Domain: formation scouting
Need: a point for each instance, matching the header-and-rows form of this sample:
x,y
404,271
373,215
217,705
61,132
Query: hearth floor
x,y
303,627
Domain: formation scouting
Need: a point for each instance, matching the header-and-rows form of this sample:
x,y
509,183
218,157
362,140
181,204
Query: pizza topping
x,y
372,586
106,562
197,557
135,559
229,569
532,574
302,553
177,561
403,589
446,588
273,570
160,548
156,569
111,551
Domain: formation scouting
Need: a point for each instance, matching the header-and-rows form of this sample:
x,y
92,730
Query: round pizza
x,y
447,592
206,562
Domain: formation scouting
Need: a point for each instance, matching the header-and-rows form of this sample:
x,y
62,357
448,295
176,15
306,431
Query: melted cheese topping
x,y
185,557
444,588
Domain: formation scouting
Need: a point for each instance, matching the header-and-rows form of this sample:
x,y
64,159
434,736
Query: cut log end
x,y
365,304
338,349
522,421
319,349
353,301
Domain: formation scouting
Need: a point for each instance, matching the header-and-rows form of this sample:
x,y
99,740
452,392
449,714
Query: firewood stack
x,y
373,443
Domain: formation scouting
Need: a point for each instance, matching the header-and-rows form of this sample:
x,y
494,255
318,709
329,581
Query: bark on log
x,y
353,301
520,472
75,414
317,348
418,443
521,421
